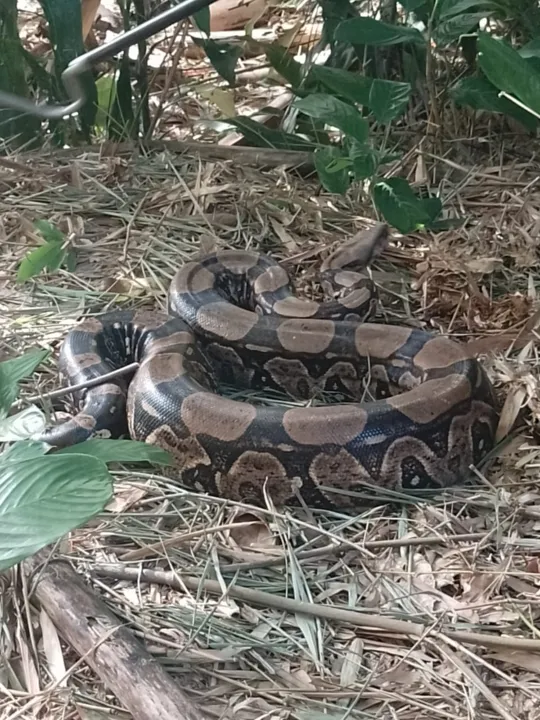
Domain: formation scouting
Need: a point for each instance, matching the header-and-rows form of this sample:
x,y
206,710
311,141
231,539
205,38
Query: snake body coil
x,y
422,411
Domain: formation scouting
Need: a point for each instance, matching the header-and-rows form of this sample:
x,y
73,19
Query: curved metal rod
x,y
71,75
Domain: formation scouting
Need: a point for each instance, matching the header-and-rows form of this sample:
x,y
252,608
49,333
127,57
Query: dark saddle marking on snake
x,y
421,412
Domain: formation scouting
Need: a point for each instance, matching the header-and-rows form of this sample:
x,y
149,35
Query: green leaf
x,y
411,5
119,451
333,174
346,84
65,33
43,498
508,71
13,371
452,29
396,201
388,99
222,55
364,160
121,123
480,94
46,257
16,128
23,450
49,232
106,94
336,113
202,20
531,49
70,260
284,63
259,135
368,31
451,8
433,207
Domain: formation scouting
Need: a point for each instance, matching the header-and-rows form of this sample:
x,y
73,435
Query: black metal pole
x,y
71,75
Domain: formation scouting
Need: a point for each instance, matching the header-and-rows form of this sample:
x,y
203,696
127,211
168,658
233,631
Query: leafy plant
x,y
43,494
54,253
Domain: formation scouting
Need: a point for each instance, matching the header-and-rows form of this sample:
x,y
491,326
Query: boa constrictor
x,y
421,414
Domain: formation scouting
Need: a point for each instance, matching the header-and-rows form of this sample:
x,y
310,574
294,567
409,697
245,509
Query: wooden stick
x,y
343,615
138,681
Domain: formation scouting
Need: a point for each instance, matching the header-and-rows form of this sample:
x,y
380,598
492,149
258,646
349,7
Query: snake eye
x,y
414,475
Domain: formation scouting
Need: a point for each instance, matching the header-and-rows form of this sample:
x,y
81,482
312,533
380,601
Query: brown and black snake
x,y
421,411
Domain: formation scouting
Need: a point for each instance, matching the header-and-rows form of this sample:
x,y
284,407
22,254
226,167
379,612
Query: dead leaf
x,y
132,287
53,649
222,99
525,660
288,241
484,266
352,664
31,675
125,499
511,408
255,535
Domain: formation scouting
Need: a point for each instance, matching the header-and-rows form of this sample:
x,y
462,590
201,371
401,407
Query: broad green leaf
x,y
364,160
43,498
388,99
368,31
65,33
400,207
121,123
259,135
508,71
46,257
17,128
119,451
23,450
13,371
451,8
49,232
202,20
479,94
334,176
106,94
452,29
433,207
531,49
284,63
22,425
223,56
70,260
336,113
347,84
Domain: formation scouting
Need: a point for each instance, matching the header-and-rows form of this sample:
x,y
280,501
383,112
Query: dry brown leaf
x,y
31,675
288,241
352,664
53,649
125,498
131,287
254,536
511,408
527,661
222,99
483,266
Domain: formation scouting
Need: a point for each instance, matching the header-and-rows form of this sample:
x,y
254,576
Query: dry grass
x,y
465,561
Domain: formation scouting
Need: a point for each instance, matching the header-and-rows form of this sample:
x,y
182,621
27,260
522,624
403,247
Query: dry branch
x,y
138,681
351,617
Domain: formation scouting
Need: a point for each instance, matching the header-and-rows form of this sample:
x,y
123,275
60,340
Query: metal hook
x,y
71,75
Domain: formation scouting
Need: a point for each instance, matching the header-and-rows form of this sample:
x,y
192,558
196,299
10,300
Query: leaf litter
x,y
466,560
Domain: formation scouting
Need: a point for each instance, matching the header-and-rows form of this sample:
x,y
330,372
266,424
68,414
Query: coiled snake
x,y
422,411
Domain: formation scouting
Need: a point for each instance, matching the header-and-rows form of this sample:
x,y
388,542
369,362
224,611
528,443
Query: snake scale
x,y
420,412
